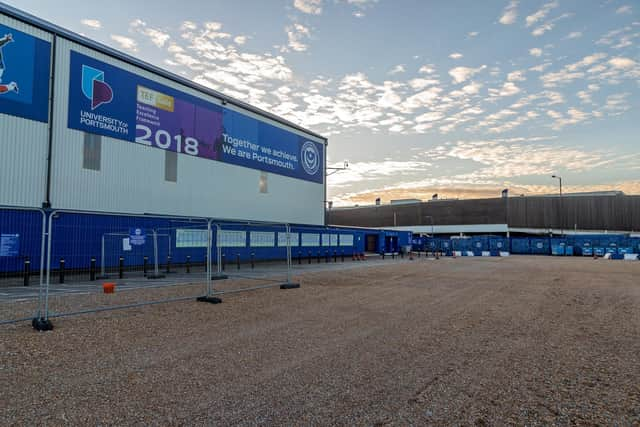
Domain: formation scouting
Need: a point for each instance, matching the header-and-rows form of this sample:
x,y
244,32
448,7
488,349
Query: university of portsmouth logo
x,y
94,87
310,158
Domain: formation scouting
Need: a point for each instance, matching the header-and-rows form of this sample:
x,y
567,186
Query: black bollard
x,y
145,265
62,262
92,269
121,267
299,257
27,271
382,255
335,256
393,255
309,257
318,257
224,261
402,254
342,258
188,264
326,257
168,264
238,261
253,263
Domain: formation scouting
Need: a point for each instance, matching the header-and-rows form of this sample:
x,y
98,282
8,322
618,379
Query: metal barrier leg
x,y
289,284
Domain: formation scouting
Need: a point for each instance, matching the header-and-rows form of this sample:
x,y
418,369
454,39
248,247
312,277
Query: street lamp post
x,y
559,178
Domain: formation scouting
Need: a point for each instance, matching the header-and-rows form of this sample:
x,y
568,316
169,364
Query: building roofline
x,y
77,38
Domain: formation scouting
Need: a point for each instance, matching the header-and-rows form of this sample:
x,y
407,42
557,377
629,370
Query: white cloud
x,y
431,116
573,117
541,14
427,69
423,99
240,39
540,68
512,157
312,7
156,36
574,35
619,38
617,104
472,88
473,34
549,25
295,34
461,74
188,26
455,55
536,51
586,61
623,63
397,69
516,76
94,24
585,97
213,26
126,43
370,171
358,14
508,89
419,84
624,10
510,13
571,72
554,114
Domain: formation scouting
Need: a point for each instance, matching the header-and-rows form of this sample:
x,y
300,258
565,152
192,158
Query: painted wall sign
x,y
109,101
9,245
24,75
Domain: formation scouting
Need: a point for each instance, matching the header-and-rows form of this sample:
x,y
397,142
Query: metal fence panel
x,y
21,262
98,262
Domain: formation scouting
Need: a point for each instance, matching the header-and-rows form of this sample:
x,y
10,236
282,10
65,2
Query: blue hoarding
x,y
109,101
24,75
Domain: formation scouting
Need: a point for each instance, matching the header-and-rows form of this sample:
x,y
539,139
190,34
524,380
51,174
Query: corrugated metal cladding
x,y
132,178
581,212
23,147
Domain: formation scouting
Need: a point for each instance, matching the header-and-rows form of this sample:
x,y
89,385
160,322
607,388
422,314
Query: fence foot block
x,y
211,300
42,324
290,286
220,277
155,276
102,277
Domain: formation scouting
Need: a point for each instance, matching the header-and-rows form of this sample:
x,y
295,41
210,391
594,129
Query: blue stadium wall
x,y
578,245
77,237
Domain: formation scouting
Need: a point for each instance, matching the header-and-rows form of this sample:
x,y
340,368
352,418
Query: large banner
x,y
24,75
109,101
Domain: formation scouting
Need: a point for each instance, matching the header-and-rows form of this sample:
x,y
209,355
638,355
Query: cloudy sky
x,y
460,98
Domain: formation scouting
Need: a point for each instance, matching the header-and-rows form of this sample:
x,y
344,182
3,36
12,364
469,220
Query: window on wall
x,y
91,152
171,166
264,187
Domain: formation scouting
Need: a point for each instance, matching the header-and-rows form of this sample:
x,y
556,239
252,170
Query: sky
x,y
459,98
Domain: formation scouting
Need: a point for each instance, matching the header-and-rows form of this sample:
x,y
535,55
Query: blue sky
x,y
460,98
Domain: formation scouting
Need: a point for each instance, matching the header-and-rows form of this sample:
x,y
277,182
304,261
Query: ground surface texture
x,y
485,341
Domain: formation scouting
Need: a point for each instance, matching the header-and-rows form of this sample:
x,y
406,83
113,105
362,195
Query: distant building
x,y
602,211
405,201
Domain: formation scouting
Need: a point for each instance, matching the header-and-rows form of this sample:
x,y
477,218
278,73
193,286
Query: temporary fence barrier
x,y
133,253
22,246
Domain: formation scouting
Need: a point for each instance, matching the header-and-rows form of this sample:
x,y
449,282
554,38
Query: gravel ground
x,y
484,341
